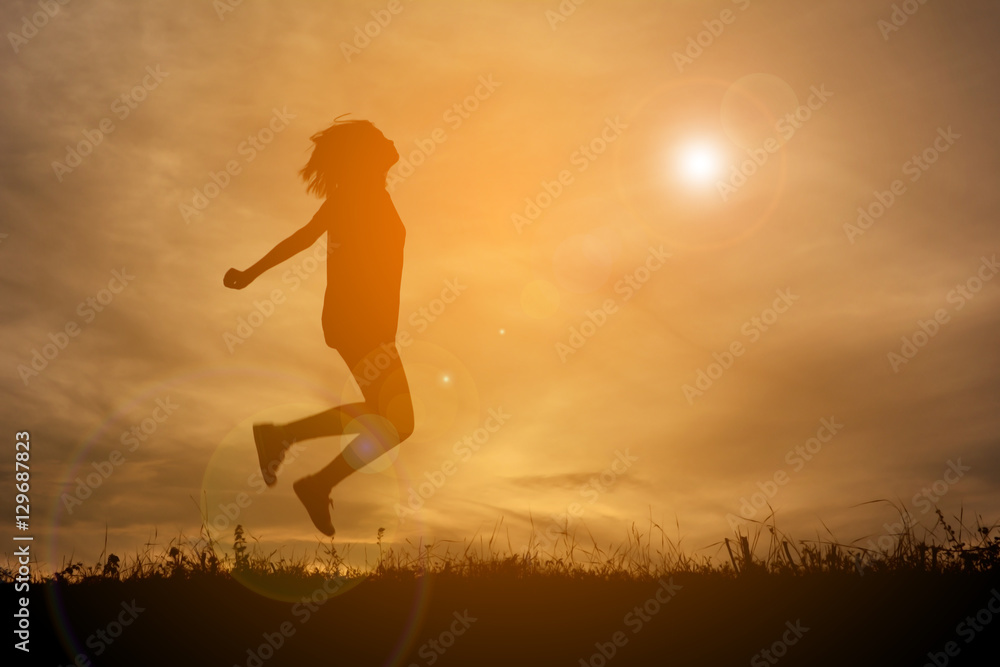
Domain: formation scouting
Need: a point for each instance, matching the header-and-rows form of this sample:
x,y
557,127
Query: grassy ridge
x,y
643,602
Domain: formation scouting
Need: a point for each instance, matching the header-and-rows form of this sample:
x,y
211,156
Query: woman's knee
x,y
383,383
391,424
402,418
405,430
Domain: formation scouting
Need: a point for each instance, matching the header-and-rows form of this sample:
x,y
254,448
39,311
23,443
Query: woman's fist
x,y
236,279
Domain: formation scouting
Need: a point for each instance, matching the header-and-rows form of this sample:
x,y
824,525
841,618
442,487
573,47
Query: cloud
x,y
119,210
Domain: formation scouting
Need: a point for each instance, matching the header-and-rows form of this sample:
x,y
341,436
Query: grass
x,y
547,604
950,546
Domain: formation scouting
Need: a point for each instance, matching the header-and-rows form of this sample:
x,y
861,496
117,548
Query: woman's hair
x,y
345,149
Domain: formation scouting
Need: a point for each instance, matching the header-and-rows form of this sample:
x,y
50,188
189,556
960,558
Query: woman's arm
x,y
294,244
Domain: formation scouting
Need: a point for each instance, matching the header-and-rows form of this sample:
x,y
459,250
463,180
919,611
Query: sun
x,y
699,163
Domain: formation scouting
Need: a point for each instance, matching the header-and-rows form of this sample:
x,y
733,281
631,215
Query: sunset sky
x,y
634,253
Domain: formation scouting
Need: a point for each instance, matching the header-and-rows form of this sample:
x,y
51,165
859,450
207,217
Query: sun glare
x,y
699,163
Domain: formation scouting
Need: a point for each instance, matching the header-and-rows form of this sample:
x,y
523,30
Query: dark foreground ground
x,y
827,619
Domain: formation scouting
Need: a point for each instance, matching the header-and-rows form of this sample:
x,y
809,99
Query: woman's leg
x,y
334,421
383,421
273,440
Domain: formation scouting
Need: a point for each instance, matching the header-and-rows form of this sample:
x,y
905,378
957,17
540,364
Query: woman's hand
x,y
236,279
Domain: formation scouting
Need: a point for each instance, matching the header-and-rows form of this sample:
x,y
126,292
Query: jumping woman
x,y
348,167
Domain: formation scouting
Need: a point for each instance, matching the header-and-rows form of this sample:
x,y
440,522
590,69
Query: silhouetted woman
x,y
348,167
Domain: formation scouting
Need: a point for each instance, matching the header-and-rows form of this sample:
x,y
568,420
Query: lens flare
x,y
699,163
